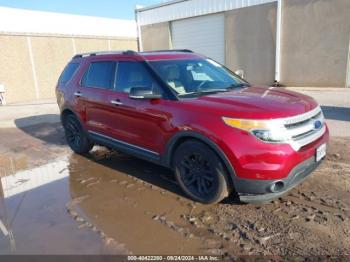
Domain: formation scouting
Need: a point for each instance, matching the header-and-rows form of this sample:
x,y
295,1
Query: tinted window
x,y
100,74
68,72
134,74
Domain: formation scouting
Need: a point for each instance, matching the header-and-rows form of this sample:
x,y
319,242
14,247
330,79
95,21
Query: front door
x,y
140,123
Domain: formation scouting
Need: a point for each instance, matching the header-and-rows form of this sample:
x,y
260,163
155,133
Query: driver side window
x,y
174,78
134,74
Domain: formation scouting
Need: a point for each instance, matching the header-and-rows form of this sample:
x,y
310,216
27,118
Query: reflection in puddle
x,y
10,164
26,180
34,218
79,205
22,182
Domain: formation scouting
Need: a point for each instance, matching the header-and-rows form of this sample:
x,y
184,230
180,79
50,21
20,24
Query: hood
x,y
255,103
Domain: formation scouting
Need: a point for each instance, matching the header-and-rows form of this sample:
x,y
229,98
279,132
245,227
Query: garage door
x,y
204,34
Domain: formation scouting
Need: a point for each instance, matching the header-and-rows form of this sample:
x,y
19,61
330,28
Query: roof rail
x,y
126,52
170,50
77,56
129,52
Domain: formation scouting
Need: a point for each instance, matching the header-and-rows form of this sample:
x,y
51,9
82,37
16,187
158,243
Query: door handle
x,y
77,94
116,102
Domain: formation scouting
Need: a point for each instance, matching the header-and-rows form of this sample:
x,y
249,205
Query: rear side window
x,y
100,74
68,73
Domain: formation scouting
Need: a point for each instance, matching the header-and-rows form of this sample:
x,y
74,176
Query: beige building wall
x,y
250,42
84,45
315,42
15,69
50,54
41,59
156,37
126,44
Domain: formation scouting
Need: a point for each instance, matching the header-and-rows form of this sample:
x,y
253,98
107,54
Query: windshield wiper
x,y
233,86
211,91
217,90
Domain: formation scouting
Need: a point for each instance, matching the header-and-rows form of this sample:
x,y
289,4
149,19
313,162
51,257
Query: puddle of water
x,y
10,165
107,203
135,202
33,215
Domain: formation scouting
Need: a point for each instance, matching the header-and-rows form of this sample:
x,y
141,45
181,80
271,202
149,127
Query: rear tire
x,y
200,173
76,137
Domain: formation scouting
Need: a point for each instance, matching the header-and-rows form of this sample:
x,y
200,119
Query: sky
x,y
122,9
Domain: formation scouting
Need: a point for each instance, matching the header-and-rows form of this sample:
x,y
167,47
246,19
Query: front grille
x,y
301,129
294,125
303,135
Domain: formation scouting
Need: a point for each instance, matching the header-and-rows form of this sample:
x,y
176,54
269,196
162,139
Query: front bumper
x,y
259,191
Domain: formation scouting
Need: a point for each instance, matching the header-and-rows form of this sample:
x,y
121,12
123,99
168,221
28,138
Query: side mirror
x,y
143,93
240,73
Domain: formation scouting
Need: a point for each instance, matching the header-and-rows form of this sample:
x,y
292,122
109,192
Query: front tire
x,y
200,173
76,136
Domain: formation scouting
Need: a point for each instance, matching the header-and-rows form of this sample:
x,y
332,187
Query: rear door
x,y
95,89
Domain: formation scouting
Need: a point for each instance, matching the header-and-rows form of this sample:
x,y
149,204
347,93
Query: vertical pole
x,y
347,83
278,42
31,57
2,97
109,44
6,227
139,35
74,47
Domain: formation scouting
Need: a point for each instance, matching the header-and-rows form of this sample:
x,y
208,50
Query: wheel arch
x,y
65,113
181,137
70,111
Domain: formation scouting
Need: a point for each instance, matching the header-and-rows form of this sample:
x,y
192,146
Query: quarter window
x,y
100,74
68,73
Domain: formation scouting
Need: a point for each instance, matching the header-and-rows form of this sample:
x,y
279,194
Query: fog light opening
x,y
277,186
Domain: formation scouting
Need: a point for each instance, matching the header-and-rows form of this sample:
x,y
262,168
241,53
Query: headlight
x,y
266,130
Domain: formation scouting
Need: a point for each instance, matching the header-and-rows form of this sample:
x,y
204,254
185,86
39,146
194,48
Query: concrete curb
x,y
336,89
29,113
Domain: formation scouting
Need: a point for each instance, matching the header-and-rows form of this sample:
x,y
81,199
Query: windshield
x,y
196,76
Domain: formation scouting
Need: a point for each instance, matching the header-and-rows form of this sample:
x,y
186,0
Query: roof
x,y
180,9
20,21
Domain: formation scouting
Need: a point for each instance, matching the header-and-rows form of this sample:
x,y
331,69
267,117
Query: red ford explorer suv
x,y
219,134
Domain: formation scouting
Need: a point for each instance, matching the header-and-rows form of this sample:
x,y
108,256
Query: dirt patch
x,y
313,219
30,146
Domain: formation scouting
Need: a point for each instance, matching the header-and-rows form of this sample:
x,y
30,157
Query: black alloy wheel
x,y
75,135
200,172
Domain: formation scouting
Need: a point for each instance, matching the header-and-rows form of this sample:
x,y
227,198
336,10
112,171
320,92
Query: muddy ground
x,y
56,202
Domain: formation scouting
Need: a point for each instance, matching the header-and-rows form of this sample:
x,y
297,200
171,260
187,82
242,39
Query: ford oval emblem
x,y
317,124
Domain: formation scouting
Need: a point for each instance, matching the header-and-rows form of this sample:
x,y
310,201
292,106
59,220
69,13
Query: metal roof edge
x,y
57,35
150,7
181,9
